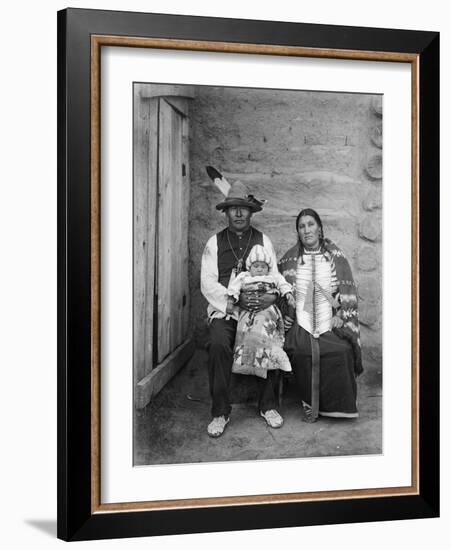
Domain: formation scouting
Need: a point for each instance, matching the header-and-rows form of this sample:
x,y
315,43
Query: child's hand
x,y
290,300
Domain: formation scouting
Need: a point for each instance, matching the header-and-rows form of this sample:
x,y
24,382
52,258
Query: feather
x,y
213,173
259,202
218,180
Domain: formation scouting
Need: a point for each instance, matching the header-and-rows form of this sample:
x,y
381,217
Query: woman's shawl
x,y
347,293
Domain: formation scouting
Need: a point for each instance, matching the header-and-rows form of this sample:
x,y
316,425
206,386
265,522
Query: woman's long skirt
x,y
337,384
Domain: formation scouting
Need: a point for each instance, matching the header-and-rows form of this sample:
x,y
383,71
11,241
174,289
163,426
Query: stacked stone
x,y
368,257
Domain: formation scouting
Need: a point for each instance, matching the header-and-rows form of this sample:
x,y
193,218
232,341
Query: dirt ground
x,y
172,428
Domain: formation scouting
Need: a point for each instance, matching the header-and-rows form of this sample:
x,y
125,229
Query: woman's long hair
x,y
315,215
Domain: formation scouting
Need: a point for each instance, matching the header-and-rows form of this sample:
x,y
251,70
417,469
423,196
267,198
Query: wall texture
x,y
295,149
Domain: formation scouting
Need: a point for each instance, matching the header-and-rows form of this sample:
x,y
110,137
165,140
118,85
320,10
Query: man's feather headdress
x,y
235,194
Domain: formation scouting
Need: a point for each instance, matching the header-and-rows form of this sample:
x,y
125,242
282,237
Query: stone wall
x,y
297,150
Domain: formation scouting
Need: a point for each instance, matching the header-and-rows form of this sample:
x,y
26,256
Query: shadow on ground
x,y
47,526
172,428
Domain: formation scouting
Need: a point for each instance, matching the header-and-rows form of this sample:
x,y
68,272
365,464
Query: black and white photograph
x,y
225,307
257,273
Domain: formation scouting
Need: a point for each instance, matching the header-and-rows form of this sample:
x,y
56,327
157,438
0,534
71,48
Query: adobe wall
x,y
297,150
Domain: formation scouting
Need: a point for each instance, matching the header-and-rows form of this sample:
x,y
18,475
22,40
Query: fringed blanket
x,y
346,295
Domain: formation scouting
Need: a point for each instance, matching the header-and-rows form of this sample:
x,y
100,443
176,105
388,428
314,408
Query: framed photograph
x,y
248,274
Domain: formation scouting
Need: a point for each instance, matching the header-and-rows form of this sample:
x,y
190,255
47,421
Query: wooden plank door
x,y
160,218
145,165
172,289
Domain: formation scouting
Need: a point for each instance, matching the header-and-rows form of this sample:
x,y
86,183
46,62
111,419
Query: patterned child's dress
x,y
260,338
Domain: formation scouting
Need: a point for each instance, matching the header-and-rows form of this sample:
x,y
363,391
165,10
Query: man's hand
x,y
230,305
336,322
251,302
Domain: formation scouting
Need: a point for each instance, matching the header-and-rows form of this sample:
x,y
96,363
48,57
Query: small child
x,y
260,335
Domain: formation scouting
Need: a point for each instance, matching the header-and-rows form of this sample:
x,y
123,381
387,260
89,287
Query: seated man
x,y
224,257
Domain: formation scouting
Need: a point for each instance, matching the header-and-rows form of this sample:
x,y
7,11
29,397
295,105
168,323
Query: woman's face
x,y
309,231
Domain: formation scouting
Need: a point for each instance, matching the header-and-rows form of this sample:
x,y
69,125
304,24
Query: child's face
x,y
259,268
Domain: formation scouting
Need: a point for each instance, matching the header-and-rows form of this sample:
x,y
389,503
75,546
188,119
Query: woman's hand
x,y
337,322
251,302
287,323
290,300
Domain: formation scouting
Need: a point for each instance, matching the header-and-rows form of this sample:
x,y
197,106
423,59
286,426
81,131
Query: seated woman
x,y
322,342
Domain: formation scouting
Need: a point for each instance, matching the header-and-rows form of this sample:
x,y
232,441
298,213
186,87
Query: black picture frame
x,y
76,518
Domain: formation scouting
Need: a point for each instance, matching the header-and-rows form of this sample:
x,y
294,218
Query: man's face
x,y
239,218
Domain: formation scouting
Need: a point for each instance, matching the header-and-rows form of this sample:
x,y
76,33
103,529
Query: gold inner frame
x,y
97,41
